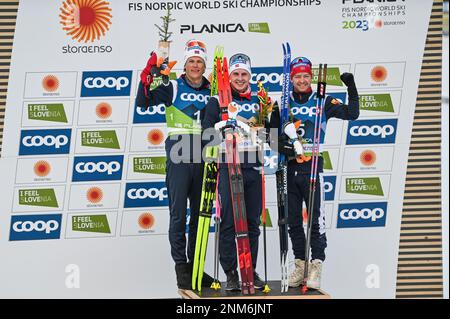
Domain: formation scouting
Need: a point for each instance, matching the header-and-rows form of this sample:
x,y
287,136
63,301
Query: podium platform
x,y
275,293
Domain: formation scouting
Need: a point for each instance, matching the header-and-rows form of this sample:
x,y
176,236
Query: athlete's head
x,y
195,60
240,72
301,74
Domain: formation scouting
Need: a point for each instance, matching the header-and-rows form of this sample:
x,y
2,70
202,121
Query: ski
x,y
236,181
321,87
207,197
281,173
264,101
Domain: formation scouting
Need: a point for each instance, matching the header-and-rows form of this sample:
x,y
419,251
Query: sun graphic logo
x,y
368,157
94,195
379,73
155,136
42,168
378,24
50,83
103,110
85,20
146,221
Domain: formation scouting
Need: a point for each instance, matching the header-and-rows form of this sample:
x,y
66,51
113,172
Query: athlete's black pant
x,y
184,181
298,192
253,207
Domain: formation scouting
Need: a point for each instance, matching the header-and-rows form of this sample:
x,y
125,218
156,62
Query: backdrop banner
x,y
83,206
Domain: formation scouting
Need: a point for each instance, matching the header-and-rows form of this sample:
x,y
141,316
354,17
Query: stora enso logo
x,y
85,20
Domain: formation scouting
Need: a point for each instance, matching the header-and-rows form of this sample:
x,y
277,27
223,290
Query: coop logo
x,y
35,227
152,114
329,187
38,142
247,107
106,83
146,194
372,132
304,110
97,168
362,215
192,97
270,77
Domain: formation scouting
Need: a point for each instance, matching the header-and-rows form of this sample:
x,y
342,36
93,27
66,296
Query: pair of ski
x,y
281,173
209,194
315,153
221,82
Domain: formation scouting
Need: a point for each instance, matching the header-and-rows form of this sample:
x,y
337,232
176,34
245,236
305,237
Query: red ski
x,y
236,181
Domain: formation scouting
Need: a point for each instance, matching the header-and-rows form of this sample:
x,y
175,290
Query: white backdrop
x,y
67,106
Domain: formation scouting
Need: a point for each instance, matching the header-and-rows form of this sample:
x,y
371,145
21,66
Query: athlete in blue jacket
x,y
302,107
184,99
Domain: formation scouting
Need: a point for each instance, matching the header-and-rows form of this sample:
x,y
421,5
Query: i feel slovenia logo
x,y
85,20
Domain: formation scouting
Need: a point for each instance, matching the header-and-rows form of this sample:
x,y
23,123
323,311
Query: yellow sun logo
x,y
85,20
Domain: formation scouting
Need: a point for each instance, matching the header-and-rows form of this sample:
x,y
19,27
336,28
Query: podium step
x,y
274,293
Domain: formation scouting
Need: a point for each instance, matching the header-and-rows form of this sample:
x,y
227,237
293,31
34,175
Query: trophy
x,y
164,66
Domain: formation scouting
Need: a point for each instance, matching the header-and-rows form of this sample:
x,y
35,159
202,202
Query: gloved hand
x,y
156,67
146,76
349,81
220,126
291,131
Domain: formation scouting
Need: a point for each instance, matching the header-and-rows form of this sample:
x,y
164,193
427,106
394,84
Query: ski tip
x,y
266,289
